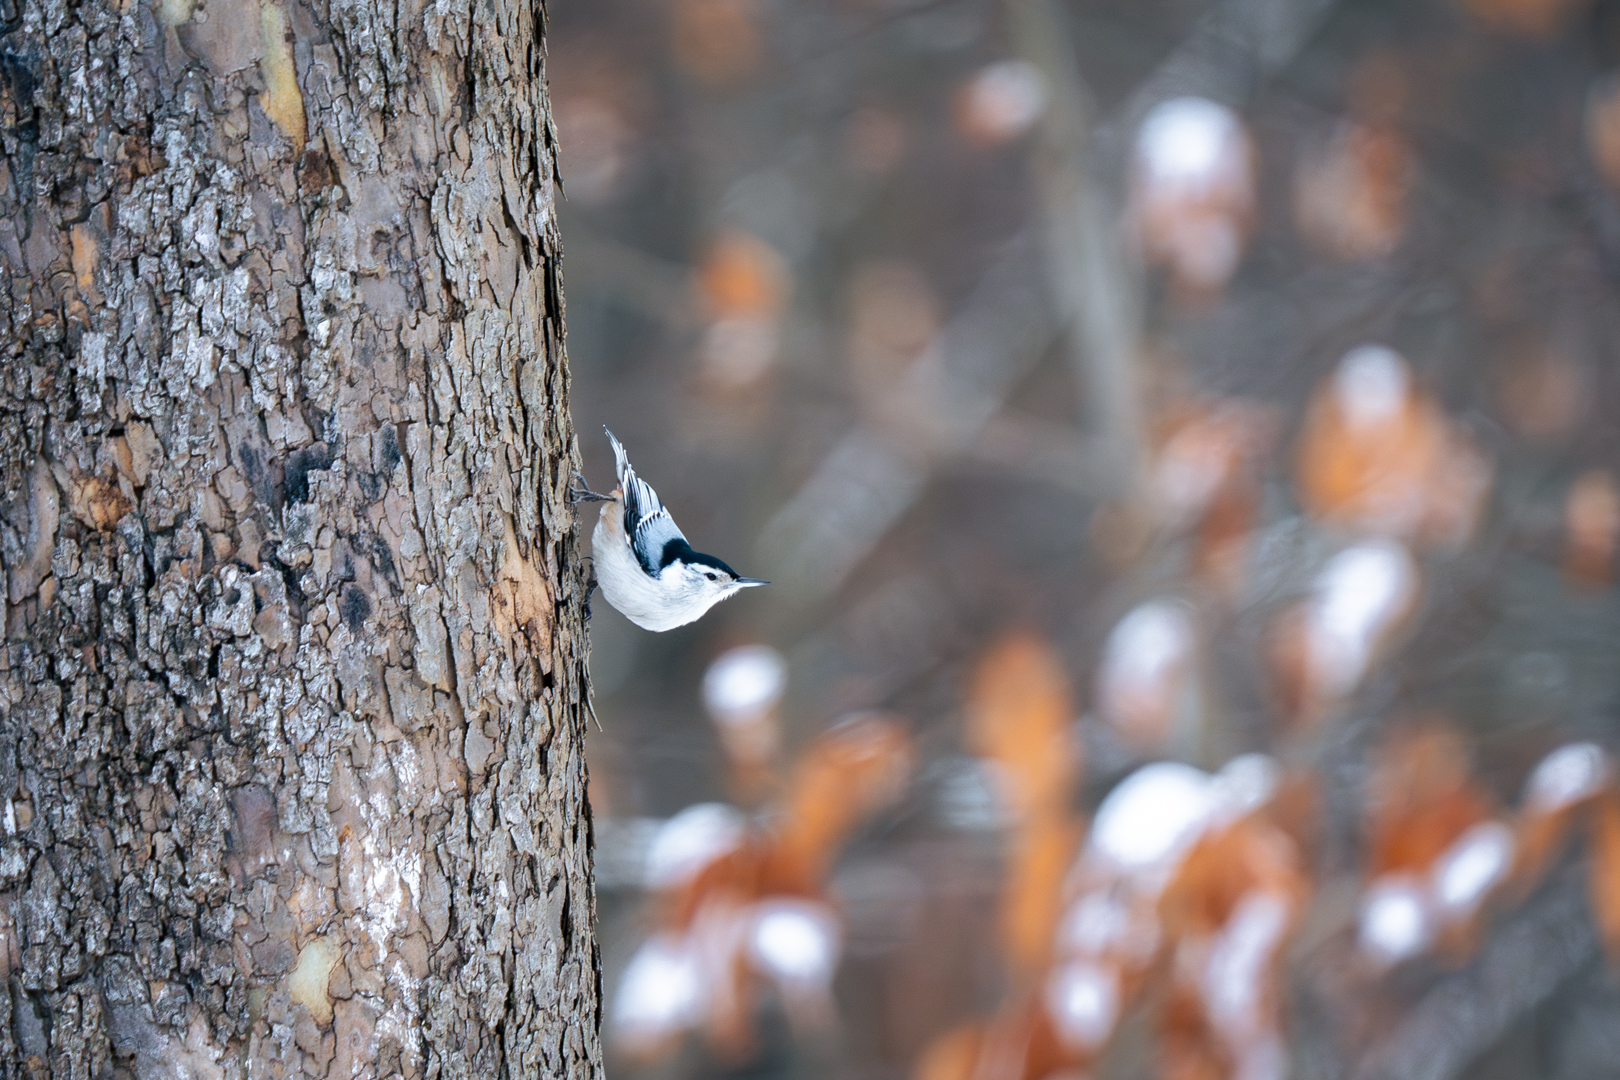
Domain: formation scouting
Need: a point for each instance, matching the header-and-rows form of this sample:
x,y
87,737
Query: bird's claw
x,y
579,491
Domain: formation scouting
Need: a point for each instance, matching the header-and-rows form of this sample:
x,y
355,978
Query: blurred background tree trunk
x,y
291,772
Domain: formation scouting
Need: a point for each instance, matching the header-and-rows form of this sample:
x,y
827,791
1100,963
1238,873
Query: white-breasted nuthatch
x,y
644,565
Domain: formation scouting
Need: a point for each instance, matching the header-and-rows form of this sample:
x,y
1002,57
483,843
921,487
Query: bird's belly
x,y
625,584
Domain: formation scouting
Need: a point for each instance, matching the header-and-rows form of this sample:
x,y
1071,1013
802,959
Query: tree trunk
x,y
291,774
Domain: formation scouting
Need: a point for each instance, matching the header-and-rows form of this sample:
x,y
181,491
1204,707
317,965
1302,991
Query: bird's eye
x,y
711,577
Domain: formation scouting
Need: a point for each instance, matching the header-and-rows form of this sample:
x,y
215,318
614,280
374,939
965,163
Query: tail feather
x,y
646,522
621,460
637,493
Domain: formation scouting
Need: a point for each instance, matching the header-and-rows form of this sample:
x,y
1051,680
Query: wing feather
x,y
646,522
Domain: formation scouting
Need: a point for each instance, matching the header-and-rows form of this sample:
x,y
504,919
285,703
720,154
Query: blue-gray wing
x,y
646,522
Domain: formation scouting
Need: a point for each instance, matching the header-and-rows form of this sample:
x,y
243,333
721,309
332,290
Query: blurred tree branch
x,y
1096,284
1518,968
869,480
872,476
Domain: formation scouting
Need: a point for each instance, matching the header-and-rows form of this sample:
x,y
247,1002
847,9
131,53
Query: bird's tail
x,y
621,462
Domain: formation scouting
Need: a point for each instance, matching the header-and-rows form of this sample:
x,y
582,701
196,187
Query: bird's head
x,y
703,580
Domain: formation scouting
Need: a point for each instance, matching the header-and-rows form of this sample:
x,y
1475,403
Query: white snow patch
x,y
1148,648
1569,774
691,840
1357,597
1395,919
1235,973
1474,863
1371,385
1153,817
796,942
1246,783
1191,142
1006,98
1083,1000
659,993
744,682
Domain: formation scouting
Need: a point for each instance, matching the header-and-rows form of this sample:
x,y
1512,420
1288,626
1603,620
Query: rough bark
x,y
291,774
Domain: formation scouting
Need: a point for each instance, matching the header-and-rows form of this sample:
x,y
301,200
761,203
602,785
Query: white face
x,y
700,585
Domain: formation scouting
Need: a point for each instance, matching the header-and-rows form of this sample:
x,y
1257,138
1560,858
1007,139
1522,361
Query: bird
x,y
643,563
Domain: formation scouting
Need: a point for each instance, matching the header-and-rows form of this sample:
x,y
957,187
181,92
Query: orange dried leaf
x,y
733,877
1203,478
716,42
1543,394
1369,445
952,1056
1042,851
1605,882
844,775
1188,1049
1288,659
1200,448
1558,793
1423,798
742,276
1523,18
729,1024
1019,712
1592,525
1350,199
1414,840
1603,128
1017,1045
1226,866
1378,456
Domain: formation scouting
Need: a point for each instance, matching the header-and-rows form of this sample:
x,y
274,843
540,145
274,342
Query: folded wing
x,y
646,522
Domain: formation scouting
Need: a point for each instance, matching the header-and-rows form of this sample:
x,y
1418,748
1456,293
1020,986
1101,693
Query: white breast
x,y
626,585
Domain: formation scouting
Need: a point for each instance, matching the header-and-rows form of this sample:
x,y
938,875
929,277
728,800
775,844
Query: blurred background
x,y
1182,438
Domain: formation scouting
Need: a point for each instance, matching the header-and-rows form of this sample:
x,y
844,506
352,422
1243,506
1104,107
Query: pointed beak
x,y
747,581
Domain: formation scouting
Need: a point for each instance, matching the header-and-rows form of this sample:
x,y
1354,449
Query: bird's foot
x,y
580,492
